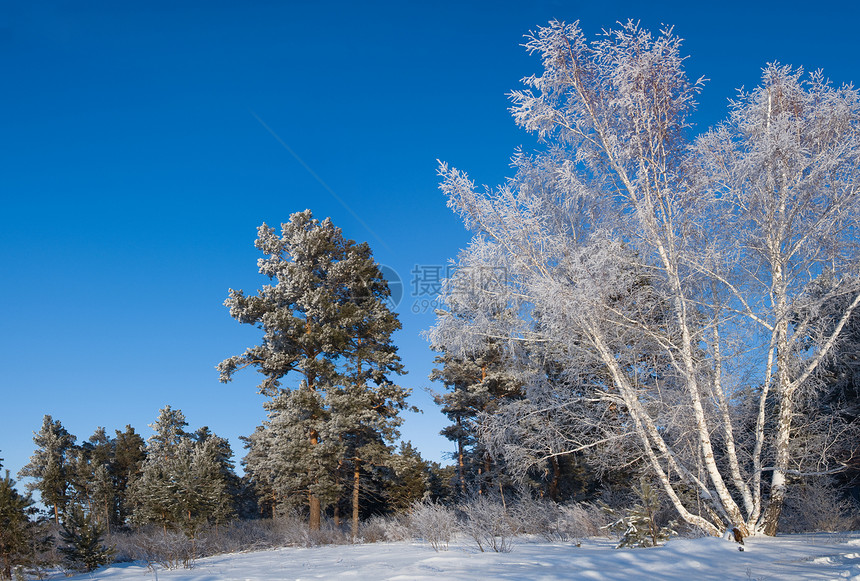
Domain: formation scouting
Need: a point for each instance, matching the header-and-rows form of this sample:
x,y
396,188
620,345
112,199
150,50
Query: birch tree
x,y
666,276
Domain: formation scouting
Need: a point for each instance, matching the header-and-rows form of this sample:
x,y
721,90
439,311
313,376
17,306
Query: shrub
x,y
380,528
434,523
487,522
815,505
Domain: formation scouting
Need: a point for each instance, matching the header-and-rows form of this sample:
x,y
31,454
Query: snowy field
x,y
794,557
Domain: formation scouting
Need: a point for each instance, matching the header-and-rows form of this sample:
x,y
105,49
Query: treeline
x,y
176,481
186,481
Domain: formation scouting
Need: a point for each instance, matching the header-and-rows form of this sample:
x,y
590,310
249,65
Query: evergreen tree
x,y
84,548
49,465
128,459
20,528
217,484
284,464
366,408
154,494
412,478
186,480
477,384
325,320
640,527
91,479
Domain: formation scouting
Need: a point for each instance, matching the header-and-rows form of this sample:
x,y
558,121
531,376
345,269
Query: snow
x,y
792,557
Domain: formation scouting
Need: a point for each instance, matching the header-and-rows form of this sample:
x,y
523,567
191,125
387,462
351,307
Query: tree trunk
x,y
485,481
314,507
461,464
356,484
778,485
554,481
770,519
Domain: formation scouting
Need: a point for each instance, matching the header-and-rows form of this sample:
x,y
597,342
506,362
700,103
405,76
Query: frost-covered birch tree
x,y
668,279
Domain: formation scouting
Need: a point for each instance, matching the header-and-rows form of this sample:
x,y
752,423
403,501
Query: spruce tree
x,y
49,465
325,321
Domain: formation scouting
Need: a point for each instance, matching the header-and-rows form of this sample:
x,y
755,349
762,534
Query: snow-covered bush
x,y
434,523
155,546
816,506
557,522
381,528
488,523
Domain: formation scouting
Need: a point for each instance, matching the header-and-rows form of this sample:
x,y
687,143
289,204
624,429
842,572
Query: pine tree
x,y
639,527
412,478
91,479
154,494
287,467
187,480
84,548
128,460
20,528
49,465
326,320
366,409
217,484
477,384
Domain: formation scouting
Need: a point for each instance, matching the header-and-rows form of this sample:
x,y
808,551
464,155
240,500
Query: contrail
x,y
321,182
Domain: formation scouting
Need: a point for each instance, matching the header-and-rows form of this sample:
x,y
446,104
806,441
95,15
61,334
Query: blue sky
x,y
136,164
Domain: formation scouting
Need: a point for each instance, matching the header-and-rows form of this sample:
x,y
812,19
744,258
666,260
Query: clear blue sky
x,y
134,170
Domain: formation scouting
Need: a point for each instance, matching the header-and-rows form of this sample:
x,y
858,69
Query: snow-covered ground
x,y
794,557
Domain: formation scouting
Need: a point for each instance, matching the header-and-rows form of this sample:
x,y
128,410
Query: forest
x,y
651,334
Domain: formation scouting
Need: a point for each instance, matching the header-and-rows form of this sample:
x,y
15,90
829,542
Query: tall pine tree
x,y
49,466
325,321
476,385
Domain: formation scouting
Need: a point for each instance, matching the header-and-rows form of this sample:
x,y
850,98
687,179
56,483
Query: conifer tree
x,y
186,480
324,320
217,484
477,384
639,527
412,479
84,548
49,465
128,459
91,479
19,528
366,408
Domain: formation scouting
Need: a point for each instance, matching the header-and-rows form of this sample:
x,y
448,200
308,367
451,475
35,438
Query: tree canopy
x,y
668,278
